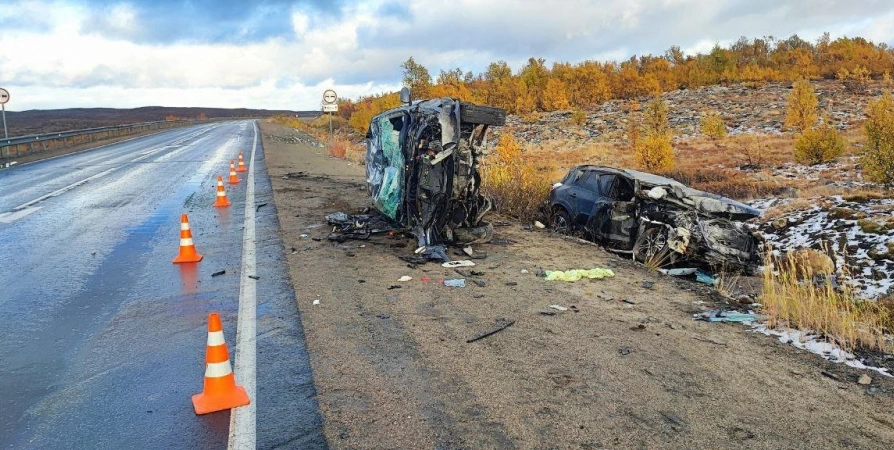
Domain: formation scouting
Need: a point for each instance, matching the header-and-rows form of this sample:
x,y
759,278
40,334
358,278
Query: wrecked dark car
x,y
658,220
422,170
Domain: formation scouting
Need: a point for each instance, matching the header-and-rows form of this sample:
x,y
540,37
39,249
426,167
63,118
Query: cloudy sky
x,y
279,54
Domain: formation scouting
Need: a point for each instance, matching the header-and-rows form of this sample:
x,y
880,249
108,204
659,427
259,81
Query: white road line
x,y
12,216
243,420
61,191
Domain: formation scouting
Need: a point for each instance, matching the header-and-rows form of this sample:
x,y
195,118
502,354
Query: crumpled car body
x,y
422,169
655,218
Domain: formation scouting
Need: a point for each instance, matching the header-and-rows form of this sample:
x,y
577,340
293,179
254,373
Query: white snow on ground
x,y
864,255
814,344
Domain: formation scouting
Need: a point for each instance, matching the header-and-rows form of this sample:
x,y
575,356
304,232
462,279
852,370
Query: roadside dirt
x,y
393,369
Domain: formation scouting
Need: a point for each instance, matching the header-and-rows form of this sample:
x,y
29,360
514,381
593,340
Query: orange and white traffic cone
x,y
221,193
233,178
188,251
220,391
241,166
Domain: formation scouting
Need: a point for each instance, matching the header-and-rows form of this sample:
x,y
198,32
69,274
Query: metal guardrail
x,y
10,147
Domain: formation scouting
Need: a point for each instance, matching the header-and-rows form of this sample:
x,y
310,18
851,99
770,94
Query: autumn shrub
x,y
713,126
338,148
878,152
653,150
578,117
751,149
800,113
819,144
517,186
831,311
655,153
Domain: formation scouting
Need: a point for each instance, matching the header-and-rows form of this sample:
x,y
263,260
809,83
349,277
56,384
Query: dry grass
x,y
837,314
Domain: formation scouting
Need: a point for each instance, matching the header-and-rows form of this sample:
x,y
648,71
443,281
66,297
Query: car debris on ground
x,y
501,324
654,218
577,274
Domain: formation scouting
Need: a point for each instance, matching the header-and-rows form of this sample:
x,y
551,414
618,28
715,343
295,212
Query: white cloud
x,y
55,56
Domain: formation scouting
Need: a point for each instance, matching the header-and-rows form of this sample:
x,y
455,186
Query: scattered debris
x,y
254,277
638,327
294,250
501,325
558,307
681,272
712,341
258,208
864,380
316,302
218,273
456,282
394,286
704,277
577,274
629,302
539,224
624,351
524,271
480,283
405,278
461,263
719,315
547,313
304,236
648,284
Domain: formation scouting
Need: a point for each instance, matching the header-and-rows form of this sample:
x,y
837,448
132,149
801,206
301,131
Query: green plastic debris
x,y
577,274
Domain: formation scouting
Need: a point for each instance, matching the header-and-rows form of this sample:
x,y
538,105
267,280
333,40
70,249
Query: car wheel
x,y
651,248
561,221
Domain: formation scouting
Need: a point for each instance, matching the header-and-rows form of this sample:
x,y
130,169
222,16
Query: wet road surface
x,y
102,338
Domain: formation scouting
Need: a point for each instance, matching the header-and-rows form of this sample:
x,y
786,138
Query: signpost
x,y
4,97
330,105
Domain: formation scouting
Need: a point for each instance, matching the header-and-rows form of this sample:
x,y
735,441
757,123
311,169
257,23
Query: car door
x,y
586,194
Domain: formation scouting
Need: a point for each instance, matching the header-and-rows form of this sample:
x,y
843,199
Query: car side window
x,y
605,185
589,181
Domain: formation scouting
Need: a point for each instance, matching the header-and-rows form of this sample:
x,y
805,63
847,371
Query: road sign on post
x,y
330,105
4,97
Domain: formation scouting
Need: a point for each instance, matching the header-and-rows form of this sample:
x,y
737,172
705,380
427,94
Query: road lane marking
x,y
12,216
243,420
65,189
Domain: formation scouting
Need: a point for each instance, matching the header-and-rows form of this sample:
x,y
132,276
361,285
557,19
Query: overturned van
x,y
422,170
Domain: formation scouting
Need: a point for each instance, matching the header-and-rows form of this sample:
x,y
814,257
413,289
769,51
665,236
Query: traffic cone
x,y
241,167
220,390
221,193
233,178
188,251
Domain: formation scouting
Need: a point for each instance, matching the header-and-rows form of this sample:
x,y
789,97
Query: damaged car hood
x,y
705,202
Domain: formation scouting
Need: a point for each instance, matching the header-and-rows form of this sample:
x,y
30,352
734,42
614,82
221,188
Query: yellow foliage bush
x,y
801,112
578,117
654,153
516,185
819,144
878,153
712,125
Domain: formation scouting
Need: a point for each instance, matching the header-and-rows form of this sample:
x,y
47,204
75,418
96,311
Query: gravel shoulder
x,y
393,369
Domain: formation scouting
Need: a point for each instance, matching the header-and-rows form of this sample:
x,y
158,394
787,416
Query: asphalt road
x,y
102,338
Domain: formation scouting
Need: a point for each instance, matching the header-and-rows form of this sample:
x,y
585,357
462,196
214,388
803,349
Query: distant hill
x,y
38,121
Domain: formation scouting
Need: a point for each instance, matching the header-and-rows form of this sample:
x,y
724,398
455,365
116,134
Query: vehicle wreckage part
x,y
477,235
